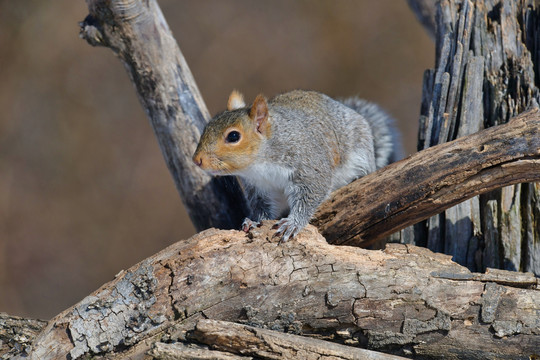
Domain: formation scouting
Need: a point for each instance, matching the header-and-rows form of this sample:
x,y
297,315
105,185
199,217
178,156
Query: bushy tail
x,y
386,138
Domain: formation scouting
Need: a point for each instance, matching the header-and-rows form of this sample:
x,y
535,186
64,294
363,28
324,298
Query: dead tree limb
x,y
139,35
431,181
405,300
248,341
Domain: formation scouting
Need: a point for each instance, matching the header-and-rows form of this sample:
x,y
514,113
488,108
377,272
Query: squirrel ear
x,y
259,114
236,101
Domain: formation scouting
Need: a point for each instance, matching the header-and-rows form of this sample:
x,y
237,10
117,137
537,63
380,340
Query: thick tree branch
x,y
431,181
405,300
138,33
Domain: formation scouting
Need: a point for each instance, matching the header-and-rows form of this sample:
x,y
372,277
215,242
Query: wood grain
x,y
270,344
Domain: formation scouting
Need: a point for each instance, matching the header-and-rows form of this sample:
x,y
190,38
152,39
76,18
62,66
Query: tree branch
x,y
432,180
139,35
405,300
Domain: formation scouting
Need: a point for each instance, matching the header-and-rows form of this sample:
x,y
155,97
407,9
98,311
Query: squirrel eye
x,y
233,137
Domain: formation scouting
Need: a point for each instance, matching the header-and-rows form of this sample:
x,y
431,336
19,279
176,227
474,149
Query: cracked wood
x,y
405,300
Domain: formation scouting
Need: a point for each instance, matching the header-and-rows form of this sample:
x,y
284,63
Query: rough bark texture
x,y
405,300
17,334
270,344
431,181
139,35
486,72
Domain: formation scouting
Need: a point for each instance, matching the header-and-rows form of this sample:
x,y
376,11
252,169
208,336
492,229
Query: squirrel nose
x,y
197,159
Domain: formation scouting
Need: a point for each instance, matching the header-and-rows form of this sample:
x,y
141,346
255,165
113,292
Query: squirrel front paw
x,y
249,224
287,228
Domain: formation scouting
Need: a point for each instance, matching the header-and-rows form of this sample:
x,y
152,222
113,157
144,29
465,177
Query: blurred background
x,y
84,191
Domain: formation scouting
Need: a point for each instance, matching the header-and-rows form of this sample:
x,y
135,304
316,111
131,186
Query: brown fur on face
x,y
216,155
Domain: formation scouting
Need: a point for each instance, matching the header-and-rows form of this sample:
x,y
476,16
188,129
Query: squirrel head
x,y
231,140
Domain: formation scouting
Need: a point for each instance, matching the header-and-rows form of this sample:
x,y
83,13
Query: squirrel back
x,y
386,139
293,150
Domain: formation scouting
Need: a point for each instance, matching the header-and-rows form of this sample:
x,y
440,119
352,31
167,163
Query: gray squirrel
x,y
293,150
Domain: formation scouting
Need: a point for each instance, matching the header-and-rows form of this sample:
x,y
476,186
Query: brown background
x,y
84,191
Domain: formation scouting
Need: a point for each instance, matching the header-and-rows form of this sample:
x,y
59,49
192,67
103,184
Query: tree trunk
x,y
486,72
401,301
139,35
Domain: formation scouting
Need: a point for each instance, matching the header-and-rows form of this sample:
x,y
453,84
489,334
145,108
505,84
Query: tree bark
x,y
405,300
17,334
139,35
270,344
486,72
431,181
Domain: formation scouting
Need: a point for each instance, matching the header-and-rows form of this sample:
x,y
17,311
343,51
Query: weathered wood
x,y
488,50
139,35
17,334
431,181
405,300
180,351
269,344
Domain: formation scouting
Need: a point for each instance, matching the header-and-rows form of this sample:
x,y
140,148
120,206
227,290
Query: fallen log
x,y
404,300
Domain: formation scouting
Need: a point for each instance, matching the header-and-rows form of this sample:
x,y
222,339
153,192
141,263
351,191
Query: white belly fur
x,y
272,181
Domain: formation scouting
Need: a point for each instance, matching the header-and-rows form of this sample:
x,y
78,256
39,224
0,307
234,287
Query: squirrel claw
x,y
249,224
286,229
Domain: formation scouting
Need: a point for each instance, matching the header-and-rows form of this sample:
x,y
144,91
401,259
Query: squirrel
x,y
293,150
